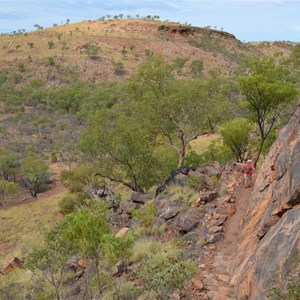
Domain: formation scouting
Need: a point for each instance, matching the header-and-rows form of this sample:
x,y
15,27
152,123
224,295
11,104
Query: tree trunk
x,y
259,152
182,150
181,157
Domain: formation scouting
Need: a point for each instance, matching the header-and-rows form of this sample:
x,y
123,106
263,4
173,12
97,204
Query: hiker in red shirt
x,y
248,170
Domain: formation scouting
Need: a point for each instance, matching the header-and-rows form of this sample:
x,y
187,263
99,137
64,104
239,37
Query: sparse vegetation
x,y
121,122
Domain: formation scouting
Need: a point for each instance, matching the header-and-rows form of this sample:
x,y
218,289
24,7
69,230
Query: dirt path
x,y
56,188
217,261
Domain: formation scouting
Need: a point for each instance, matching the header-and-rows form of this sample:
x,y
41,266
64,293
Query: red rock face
x,y
271,236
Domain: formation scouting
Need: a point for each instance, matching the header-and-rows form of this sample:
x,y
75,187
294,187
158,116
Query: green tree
x,y
197,67
7,188
176,112
50,259
267,94
68,98
89,233
34,173
236,136
121,149
8,164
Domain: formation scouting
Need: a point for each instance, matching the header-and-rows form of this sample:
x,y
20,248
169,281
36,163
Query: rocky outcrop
x,y
270,243
11,265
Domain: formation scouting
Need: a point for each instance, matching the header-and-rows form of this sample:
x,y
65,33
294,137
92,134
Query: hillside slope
x,y
92,49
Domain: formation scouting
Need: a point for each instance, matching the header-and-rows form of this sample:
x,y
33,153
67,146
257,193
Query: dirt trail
x,y
220,256
56,188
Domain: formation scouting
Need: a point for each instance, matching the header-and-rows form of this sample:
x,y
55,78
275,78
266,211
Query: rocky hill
x,y
268,254
101,51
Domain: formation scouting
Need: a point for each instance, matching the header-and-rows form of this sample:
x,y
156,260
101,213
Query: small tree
x,y
236,136
267,94
119,68
50,259
8,164
197,67
7,188
34,173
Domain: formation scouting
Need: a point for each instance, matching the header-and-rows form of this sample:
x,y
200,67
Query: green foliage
x,y
236,136
215,180
267,93
51,61
8,164
179,63
35,173
194,42
216,152
123,149
161,27
176,112
193,159
70,203
128,291
292,292
76,178
119,68
85,229
30,45
197,67
164,272
195,182
51,258
296,55
8,188
68,98
91,50
146,214
144,248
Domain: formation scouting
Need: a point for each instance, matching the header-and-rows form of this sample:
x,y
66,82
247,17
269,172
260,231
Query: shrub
x,y
197,67
50,44
70,203
292,292
128,291
119,68
195,182
236,136
193,159
77,178
163,273
143,248
161,27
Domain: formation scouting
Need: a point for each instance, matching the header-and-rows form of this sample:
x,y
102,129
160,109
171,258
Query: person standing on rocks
x,y
248,171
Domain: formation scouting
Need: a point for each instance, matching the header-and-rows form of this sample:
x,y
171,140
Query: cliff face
x,y
269,252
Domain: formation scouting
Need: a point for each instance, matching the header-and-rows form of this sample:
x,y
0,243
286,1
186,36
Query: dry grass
x,y
22,226
202,143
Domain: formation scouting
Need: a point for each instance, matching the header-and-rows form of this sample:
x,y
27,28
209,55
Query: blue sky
x,y
248,20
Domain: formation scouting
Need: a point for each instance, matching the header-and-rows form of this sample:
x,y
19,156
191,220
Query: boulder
x,y
215,229
208,196
213,238
169,210
140,198
11,265
188,221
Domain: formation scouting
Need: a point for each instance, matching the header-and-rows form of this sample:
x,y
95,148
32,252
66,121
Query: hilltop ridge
x,y
110,50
